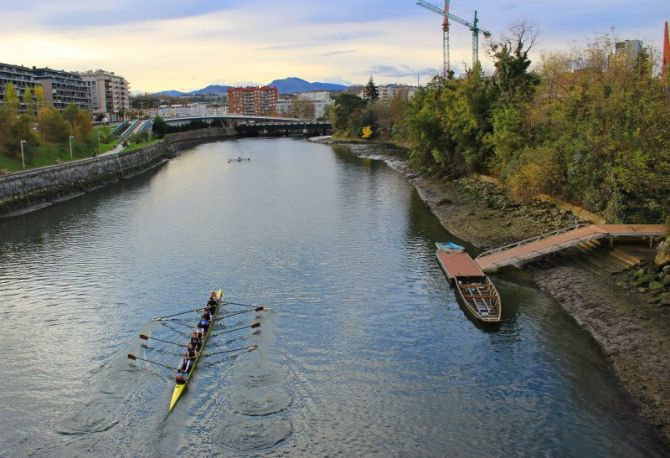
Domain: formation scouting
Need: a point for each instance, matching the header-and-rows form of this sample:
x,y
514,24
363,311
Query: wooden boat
x,y
179,388
480,297
475,290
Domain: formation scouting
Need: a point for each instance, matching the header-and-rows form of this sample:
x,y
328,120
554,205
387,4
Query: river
x,y
365,352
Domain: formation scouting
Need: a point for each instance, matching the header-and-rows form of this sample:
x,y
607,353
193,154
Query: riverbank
x,y
633,333
32,190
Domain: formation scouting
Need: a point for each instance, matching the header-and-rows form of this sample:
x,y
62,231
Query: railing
x,y
531,240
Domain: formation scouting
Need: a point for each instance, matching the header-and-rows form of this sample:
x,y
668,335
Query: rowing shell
x,y
179,388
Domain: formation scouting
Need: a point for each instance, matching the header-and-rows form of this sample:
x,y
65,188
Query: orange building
x,y
253,100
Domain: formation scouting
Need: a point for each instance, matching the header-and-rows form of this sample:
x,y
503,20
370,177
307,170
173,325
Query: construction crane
x,y
474,28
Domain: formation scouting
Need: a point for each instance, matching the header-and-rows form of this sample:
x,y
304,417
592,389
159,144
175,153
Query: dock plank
x,y
525,252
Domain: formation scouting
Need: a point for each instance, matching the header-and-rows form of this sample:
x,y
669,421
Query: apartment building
x,y
253,100
109,94
62,88
21,77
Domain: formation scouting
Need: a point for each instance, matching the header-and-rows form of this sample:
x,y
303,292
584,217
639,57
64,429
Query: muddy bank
x,y
633,332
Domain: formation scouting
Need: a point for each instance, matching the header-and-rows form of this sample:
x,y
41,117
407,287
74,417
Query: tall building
x,y
62,88
108,93
666,57
253,100
20,77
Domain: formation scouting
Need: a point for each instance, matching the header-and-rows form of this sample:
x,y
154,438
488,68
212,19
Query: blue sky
x,y
189,44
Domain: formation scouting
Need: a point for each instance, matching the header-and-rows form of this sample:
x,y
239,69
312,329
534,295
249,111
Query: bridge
x,y
258,125
534,248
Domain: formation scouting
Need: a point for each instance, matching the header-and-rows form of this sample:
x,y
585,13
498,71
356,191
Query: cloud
x,y
401,71
82,14
335,53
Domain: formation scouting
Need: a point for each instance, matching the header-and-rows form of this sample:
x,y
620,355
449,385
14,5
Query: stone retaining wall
x,y
32,187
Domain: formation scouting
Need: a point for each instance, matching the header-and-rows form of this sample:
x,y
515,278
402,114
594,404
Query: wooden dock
x,y
534,248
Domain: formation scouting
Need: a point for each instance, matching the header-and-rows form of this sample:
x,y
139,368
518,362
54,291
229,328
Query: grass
x,y
139,145
51,154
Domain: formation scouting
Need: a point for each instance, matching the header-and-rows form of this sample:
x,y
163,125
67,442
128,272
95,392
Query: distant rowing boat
x,y
180,387
240,159
478,294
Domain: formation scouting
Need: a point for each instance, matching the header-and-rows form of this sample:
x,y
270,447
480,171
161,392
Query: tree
x,y
370,92
511,55
29,102
40,100
11,99
23,130
53,127
82,125
160,127
346,113
302,108
70,114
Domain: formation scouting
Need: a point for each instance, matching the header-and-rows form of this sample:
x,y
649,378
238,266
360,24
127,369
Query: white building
x,y
108,94
389,91
190,110
284,105
321,100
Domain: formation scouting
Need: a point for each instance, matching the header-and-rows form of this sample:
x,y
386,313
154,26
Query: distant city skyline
x,y
160,45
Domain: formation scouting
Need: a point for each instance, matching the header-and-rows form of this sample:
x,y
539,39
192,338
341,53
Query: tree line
x,y
588,125
44,130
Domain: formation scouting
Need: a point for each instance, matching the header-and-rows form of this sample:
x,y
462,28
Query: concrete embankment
x,y
34,189
632,329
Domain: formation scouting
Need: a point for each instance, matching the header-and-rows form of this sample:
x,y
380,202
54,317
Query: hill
x,y
297,85
291,85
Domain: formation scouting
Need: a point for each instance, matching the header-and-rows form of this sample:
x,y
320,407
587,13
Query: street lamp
x,y
98,141
23,158
71,157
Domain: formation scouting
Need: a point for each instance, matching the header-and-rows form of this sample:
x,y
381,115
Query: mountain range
x,y
285,86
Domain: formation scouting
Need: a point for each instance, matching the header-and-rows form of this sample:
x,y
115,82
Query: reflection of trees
x,y
344,153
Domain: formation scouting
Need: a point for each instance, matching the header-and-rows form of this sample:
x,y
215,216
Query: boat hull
x,y
180,388
480,297
473,287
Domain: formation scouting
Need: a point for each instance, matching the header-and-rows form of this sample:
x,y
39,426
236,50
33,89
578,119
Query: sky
x,y
185,45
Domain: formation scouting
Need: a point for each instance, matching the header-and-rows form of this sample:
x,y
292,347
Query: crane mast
x,y
446,65
474,27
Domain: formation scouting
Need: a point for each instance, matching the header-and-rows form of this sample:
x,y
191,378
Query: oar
x,y
257,309
251,348
133,357
145,337
160,318
243,305
181,323
255,325
228,358
248,305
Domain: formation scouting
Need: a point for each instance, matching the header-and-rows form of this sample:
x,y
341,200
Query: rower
x,y
213,300
186,364
206,315
204,325
196,341
190,349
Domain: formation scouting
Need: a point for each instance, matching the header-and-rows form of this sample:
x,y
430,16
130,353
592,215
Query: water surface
x,y
366,351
